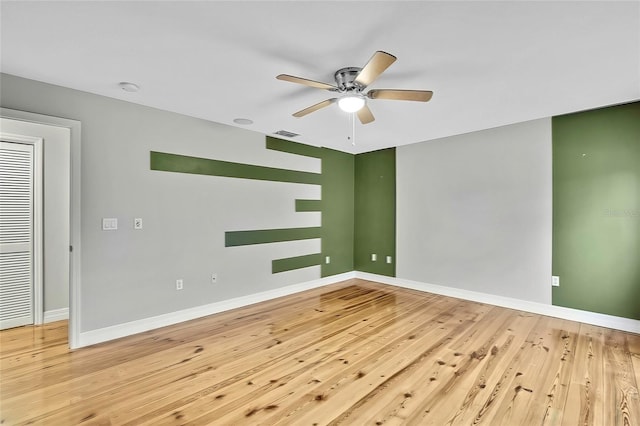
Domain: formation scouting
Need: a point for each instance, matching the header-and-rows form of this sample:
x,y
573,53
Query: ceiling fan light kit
x,y
351,83
351,103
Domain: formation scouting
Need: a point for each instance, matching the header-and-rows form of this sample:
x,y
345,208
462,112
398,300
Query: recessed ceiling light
x,y
129,87
243,121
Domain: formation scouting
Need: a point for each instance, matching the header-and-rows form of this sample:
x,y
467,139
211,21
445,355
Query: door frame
x,y
37,247
75,211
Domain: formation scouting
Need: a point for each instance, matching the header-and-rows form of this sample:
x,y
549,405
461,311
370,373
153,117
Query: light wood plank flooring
x,y
354,353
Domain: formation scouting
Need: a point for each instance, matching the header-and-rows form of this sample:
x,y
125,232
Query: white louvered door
x,y
16,234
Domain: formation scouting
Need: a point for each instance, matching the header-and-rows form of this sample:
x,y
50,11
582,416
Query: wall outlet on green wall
x,y
555,281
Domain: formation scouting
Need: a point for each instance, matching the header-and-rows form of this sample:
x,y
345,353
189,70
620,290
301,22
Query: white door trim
x,y
75,309
37,248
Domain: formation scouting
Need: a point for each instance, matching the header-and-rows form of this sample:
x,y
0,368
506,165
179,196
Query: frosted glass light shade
x,y
351,103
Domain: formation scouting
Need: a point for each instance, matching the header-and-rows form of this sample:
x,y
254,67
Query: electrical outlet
x,y
214,278
555,281
389,259
137,223
179,285
327,259
374,257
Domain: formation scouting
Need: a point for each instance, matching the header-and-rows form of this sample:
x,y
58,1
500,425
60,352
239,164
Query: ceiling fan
x,y
351,83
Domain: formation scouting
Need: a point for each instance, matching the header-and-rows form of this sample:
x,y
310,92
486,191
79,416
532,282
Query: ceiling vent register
x,y
286,133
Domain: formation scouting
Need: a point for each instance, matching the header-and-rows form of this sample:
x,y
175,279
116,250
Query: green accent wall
x,y
308,205
337,211
375,211
596,210
357,205
336,204
264,236
204,166
298,262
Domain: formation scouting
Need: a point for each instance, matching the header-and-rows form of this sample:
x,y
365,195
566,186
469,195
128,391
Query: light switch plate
x,y
137,223
109,223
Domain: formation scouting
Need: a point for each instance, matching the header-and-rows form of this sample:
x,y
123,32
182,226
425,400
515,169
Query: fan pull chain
x,y
353,128
352,138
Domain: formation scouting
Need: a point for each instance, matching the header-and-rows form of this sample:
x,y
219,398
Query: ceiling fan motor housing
x,y
345,79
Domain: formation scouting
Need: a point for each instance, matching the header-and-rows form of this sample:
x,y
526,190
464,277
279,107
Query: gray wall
x,y
128,274
55,226
474,211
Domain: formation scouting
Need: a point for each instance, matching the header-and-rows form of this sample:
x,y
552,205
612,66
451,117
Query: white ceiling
x,y
488,63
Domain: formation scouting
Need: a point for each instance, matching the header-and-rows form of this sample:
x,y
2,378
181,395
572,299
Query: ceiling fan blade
x,y
364,115
379,62
306,82
315,107
400,95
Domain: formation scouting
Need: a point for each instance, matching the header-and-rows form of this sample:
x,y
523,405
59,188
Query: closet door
x,y
16,234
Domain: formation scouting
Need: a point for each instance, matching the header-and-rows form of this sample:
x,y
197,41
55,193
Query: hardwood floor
x,y
353,353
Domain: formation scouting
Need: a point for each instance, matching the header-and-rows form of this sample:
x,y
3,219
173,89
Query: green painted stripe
x,y
204,166
244,238
298,262
308,205
293,147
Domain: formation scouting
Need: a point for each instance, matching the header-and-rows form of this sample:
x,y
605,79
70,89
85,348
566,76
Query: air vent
x,y
286,134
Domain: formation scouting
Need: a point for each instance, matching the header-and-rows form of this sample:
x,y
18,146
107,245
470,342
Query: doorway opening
x,y
60,245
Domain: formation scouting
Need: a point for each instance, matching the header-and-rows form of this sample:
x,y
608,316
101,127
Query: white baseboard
x,y
121,330
56,315
609,321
